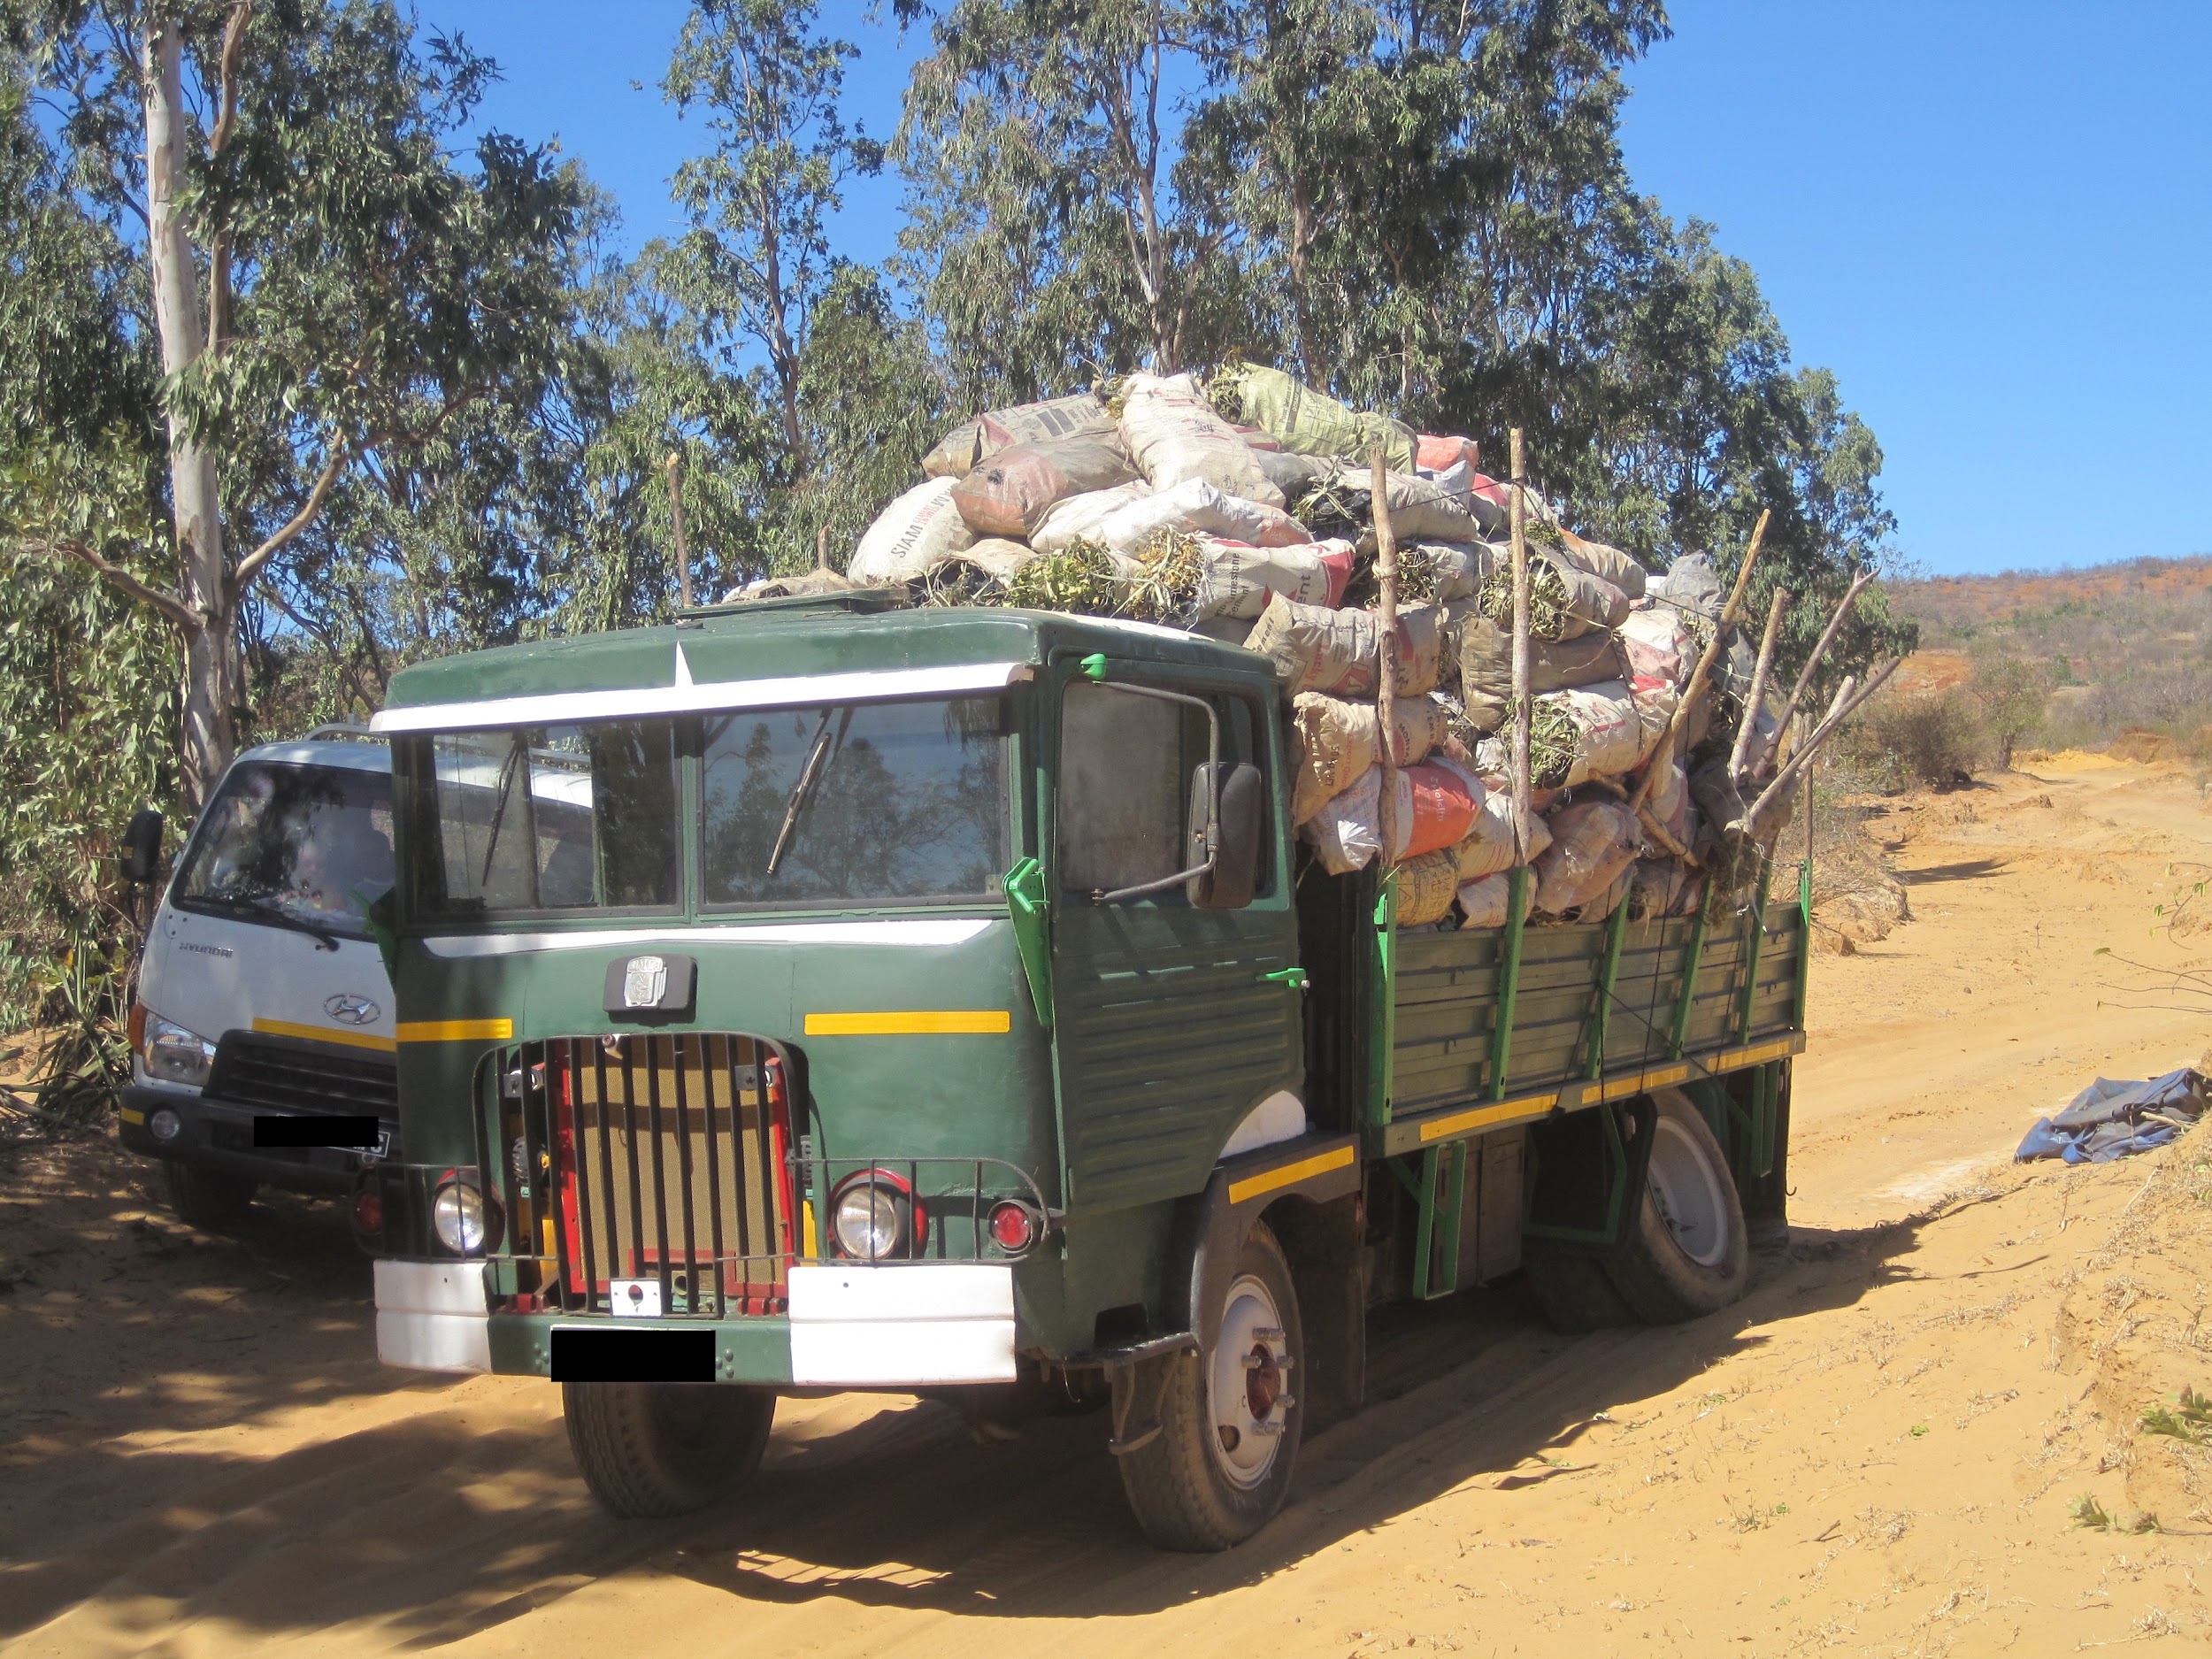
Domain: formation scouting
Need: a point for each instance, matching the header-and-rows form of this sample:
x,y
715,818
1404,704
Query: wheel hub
x,y
1248,1384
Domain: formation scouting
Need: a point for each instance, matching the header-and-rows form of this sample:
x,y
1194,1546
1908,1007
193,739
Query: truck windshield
x,y
307,846
855,803
561,817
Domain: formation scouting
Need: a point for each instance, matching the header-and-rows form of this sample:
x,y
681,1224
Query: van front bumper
x,y
893,1326
217,1134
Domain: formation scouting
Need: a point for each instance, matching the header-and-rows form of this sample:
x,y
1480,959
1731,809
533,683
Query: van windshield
x,y
306,847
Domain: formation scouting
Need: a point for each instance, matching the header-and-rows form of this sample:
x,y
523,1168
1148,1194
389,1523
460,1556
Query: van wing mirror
x,y
1227,881
142,846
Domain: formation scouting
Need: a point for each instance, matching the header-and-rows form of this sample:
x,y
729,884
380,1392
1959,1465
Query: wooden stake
x,y
1748,728
1845,705
1704,668
1524,706
676,512
1820,651
1386,657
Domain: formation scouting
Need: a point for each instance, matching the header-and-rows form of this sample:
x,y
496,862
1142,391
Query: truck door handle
x,y
1295,978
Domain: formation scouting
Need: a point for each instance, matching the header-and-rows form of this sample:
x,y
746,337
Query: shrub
x,y
1925,737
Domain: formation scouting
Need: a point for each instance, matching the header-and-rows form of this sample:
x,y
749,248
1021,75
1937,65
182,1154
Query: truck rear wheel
x,y
211,1199
1220,1467
652,1449
1572,1290
1686,1253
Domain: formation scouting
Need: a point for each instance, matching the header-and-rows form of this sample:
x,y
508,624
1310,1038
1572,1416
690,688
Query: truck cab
x,y
262,1042
818,994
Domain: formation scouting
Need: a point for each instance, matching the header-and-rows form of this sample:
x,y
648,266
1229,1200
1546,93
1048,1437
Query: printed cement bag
x,y
1433,453
1319,649
1488,846
1306,422
1609,736
1668,801
1659,647
1293,474
1482,903
1234,578
1195,506
1009,493
1450,571
1174,434
972,442
1427,887
1594,842
1078,518
1337,742
1437,804
915,534
1655,715
1485,667
1421,510
1599,560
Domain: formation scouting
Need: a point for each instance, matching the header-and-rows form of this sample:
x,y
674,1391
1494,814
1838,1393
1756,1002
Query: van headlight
x,y
174,1053
874,1216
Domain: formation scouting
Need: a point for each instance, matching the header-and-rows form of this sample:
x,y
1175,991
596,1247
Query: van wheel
x,y
652,1449
1686,1254
1220,1467
210,1198
1572,1290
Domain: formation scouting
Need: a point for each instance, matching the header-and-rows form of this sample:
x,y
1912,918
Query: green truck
x,y
823,995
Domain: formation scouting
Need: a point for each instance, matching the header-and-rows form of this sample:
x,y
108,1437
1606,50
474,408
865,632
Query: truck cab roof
x,y
355,753
857,634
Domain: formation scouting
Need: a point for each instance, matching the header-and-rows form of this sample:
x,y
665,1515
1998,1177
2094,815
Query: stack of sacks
x,y
1204,507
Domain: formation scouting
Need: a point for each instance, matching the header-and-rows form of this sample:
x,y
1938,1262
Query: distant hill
x,y
2127,646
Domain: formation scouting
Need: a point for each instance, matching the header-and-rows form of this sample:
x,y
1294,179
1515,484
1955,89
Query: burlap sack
x,y
1009,493
1337,741
1082,518
910,537
1235,580
1174,434
1306,422
971,444
1594,842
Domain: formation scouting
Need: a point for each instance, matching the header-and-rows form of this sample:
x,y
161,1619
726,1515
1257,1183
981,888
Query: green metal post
x,y
1509,978
1432,1278
1804,941
1382,1056
1694,960
1601,1012
1752,947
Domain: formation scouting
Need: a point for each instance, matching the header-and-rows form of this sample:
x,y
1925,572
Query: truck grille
x,y
660,1159
294,1075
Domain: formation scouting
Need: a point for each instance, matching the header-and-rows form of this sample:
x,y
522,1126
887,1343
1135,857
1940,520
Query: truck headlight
x,y
465,1222
874,1217
175,1054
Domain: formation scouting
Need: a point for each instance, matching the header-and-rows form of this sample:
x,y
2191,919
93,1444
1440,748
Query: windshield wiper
x,y
801,792
262,911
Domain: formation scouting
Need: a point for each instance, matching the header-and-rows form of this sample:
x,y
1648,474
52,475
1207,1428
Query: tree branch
x,y
183,615
250,566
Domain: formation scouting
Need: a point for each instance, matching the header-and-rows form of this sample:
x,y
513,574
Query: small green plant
x,y
2088,1512
1918,1431
2189,1418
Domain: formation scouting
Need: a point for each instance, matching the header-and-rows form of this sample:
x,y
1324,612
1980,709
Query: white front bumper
x,y
432,1316
903,1326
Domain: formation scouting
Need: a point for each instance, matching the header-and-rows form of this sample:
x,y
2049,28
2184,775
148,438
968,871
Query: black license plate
x,y
628,1355
319,1129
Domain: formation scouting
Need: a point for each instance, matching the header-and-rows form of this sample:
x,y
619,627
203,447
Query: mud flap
x,y
1586,1171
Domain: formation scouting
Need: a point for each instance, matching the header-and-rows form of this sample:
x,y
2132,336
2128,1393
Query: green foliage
x,y
2189,1418
2008,694
1915,737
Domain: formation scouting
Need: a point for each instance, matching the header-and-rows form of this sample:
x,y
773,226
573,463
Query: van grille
x,y
643,1158
295,1075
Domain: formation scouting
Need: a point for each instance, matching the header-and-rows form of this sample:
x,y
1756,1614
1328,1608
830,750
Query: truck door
x,y
1172,1023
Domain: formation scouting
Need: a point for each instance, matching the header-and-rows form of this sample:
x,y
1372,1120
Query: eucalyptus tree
x,y
330,286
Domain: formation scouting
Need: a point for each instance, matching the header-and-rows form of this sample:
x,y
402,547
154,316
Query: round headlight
x,y
165,1124
457,1215
873,1218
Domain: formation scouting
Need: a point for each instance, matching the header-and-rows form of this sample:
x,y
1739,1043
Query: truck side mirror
x,y
1235,874
142,846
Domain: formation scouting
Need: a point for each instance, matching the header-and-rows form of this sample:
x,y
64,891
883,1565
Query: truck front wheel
x,y
652,1449
1686,1254
1220,1466
210,1198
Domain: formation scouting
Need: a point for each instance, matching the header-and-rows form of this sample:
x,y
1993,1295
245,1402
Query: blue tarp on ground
x,y
2111,1119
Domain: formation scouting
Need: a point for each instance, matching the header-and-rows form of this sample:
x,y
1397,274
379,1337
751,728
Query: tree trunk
x,y
209,734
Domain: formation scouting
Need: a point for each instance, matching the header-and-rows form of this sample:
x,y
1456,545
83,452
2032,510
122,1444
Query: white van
x,y
262,1041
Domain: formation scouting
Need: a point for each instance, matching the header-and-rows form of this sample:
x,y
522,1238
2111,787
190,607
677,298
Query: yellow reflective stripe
x,y
1289,1174
455,1029
1484,1117
1757,1053
130,1116
927,1022
1637,1082
324,1034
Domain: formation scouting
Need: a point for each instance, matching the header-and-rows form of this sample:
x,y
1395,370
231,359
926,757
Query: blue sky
x,y
1992,221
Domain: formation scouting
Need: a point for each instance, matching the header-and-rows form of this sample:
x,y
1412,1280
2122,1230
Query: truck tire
x,y
1686,1254
654,1450
210,1198
1220,1467
1573,1292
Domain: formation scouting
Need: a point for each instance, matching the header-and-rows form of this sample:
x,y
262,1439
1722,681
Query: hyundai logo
x,y
353,1010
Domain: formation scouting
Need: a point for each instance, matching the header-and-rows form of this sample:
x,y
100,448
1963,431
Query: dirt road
x,y
1876,1452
